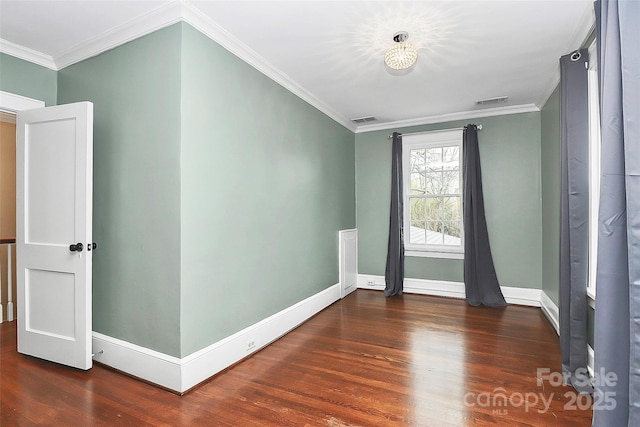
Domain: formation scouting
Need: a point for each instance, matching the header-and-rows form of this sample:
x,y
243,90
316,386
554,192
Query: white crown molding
x,y
463,115
580,36
158,18
27,54
176,11
587,25
206,26
163,16
554,81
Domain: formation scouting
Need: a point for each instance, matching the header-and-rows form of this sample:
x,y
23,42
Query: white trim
x,y
554,81
156,19
521,296
587,24
590,360
580,36
367,281
10,102
173,12
343,236
164,16
591,298
138,361
10,317
513,295
427,140
209,361
595,155
431,254
434,287
27,54
441,118
182,374
209,28
550,310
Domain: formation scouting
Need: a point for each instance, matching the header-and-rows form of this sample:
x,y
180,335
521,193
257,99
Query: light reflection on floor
x,y
444,353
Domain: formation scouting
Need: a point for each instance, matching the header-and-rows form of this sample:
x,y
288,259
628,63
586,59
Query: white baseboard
x,y
521,296
141,362
550,309
513,295
182,374
433,287
207,362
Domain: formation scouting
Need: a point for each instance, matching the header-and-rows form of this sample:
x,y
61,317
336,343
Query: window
x,y
594,167
432,173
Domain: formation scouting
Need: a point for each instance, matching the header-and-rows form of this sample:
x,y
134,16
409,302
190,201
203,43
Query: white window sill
x,y
431,254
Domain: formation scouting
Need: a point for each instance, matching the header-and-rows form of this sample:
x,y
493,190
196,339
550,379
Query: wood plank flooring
x,y
365,361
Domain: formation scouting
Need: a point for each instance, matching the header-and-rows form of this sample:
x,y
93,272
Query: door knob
x,y
76,248
91,246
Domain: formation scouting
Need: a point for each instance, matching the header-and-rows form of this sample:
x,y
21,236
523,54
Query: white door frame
x,y
12,103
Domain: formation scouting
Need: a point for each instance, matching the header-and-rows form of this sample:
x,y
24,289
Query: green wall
x,y
510,156
27,79
218,194
135,89
267,182
550,166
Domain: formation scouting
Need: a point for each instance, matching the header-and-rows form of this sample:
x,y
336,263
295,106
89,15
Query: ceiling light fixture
x,y
401,58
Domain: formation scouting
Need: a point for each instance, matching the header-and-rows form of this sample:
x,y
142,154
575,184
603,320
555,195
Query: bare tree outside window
x,y
435,199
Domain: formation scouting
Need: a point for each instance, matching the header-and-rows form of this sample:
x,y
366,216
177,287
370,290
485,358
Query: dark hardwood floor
x,y
364,361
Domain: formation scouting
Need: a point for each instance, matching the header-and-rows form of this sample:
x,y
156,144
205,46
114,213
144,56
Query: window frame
x,y
594,167
432,139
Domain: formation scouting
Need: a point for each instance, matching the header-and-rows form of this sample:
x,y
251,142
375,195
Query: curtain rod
x,y
432,131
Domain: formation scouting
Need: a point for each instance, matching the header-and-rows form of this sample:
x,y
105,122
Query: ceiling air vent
x,y
491,101
361,120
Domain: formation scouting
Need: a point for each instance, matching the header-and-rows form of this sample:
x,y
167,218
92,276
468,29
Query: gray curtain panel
x,y
617,319
574,218
480,279
394,272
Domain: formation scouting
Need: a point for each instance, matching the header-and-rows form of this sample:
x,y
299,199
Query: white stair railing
x,y
8,285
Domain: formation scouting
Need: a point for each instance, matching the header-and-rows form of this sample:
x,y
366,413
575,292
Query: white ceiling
x,y
330,52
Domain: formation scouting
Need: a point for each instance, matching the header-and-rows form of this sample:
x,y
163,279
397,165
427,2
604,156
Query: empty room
x,y
319,213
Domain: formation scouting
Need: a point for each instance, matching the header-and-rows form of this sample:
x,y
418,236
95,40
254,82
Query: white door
x,y
53,232
348,261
